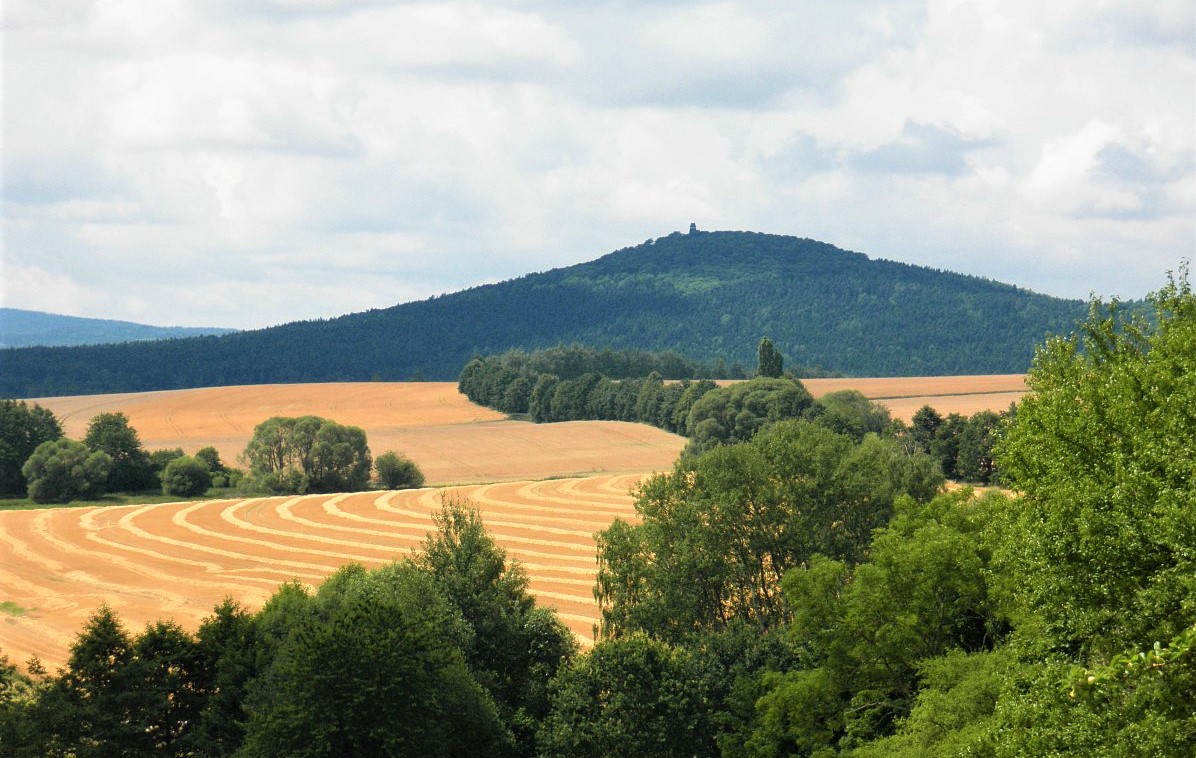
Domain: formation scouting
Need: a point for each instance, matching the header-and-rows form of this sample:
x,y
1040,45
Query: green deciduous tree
x,y
924,425
540,404
516,396
122,696
1094,555
186,477
570,398
953,712
80,713
515,648
650,398
159,458
222,475
736,413
211,458
339,459
63,470
308,454
131,468
692,393
372,665
168,687
1103,452
22,430
627,698
974,459
849,412
227,644
945,445
719,532
397,472
17,695
861,634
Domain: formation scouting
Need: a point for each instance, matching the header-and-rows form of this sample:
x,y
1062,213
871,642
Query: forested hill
x,y
707,295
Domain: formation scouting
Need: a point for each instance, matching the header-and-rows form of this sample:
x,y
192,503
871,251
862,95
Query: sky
x,y
243,163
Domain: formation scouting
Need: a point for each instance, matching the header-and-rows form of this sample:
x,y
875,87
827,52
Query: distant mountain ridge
x,y
23,328
707,295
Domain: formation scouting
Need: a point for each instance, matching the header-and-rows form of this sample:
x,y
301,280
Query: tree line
x,y
37,461
568,384
284,456
801,593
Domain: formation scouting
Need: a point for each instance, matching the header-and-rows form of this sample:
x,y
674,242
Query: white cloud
x,y
1066,162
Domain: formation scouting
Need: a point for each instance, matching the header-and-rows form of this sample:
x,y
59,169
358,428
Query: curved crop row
x,y
179,560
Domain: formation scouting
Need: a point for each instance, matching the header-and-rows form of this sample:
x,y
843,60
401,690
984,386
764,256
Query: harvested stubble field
x,y
452,440
455,441
179,560
903,396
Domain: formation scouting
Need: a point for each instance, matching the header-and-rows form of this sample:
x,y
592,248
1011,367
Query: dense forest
x,y
800,593
707,295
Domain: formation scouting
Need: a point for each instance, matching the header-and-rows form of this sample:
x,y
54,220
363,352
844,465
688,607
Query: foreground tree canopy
x,y
719,532
1104,453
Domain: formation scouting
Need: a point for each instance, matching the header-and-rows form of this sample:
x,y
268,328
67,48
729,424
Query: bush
x,y
63,470
229,477
186,477
397,472
159,458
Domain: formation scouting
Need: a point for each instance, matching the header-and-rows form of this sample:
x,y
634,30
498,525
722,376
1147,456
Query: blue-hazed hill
x,y
22,328
707,295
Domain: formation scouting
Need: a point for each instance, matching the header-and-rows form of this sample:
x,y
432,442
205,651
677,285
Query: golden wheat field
x,y
178,560
452,440
903,396
543,490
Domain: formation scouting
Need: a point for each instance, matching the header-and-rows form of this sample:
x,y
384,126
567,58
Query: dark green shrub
x,y
397,472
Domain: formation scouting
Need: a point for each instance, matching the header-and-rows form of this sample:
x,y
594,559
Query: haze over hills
x,y
22,328
707,295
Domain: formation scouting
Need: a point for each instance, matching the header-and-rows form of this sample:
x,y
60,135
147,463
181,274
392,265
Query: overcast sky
x,y
243,163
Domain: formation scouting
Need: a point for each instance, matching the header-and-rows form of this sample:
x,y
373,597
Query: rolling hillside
x,y
21,328
706,295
